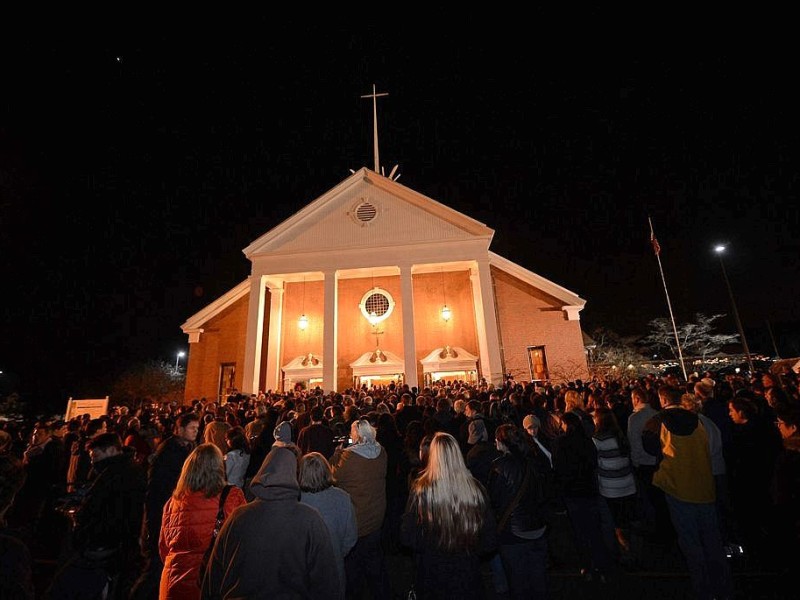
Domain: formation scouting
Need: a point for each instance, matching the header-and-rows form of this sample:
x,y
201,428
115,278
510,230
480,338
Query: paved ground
x,y
661,575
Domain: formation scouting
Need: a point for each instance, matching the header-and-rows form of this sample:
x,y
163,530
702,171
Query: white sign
x,y
95,407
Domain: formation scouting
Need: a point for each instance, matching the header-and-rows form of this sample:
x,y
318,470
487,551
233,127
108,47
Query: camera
x,y
344,440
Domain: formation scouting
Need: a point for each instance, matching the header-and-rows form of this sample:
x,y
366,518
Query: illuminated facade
x,y
372,283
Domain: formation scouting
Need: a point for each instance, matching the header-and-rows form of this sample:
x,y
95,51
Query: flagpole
x,y
657,250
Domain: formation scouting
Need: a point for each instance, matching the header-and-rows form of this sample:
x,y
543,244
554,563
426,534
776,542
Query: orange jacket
x,y
186,530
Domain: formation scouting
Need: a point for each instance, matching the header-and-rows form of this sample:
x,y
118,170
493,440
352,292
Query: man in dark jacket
x,y
105,538
274,546
317,436
162,477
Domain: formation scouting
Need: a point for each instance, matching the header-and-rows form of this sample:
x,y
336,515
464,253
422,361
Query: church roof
x,y
368,217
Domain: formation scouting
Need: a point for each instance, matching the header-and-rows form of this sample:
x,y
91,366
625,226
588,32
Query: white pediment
x,y
307,366
449,359
367,210
378,362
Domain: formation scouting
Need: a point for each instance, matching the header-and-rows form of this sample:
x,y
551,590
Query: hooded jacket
x,y
360,470
274,546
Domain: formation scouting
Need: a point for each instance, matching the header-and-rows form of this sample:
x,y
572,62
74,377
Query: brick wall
x,y
529,317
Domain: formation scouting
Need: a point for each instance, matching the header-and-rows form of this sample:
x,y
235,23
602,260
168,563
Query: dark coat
x,y
274,546
575,465
505,483
111,513
162,477
441,574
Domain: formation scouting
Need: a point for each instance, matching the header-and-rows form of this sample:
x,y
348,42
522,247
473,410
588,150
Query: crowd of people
x,y
306,493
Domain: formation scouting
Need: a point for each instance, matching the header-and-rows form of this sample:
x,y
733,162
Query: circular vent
x,y
365,212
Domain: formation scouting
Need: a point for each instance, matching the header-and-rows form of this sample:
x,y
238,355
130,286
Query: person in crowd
x,y
472,412
785,491
479,460
215,431
260,437
616,483
79,462
134,439
105,536
162,477
679,441
360,470
318,490
407,411
16,566
448,542
532,428
575,467
283,436
574,403
274,546
716,409
387,435
189,519
316,436
32,513
519,501
237,459
644,464
755,446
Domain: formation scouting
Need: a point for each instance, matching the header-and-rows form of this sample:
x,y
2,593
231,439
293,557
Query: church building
x,y
373,283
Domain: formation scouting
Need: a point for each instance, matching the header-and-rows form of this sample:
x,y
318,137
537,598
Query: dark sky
x,y
129,187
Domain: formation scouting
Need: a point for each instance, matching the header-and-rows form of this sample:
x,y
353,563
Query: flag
x,y
653,240
656,246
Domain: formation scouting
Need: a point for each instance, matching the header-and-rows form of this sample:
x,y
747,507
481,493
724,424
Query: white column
x,y
409,340
273,374
329,332
486,322
255,335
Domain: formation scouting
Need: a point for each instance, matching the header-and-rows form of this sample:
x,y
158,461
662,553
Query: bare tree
x,y
697,338
611,349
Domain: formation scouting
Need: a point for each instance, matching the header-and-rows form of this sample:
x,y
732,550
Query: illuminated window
x,y
376,305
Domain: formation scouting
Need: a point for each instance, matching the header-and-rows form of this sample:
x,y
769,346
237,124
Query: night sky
x,y
135,168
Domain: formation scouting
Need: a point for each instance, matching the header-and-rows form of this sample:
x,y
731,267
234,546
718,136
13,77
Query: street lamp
x,y
720,249
181,354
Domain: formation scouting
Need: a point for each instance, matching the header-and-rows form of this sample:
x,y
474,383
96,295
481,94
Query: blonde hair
x,y
203,471
573,399
690,402
450,502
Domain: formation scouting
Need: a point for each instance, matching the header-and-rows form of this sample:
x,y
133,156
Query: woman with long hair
x,y
448,523
189,519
